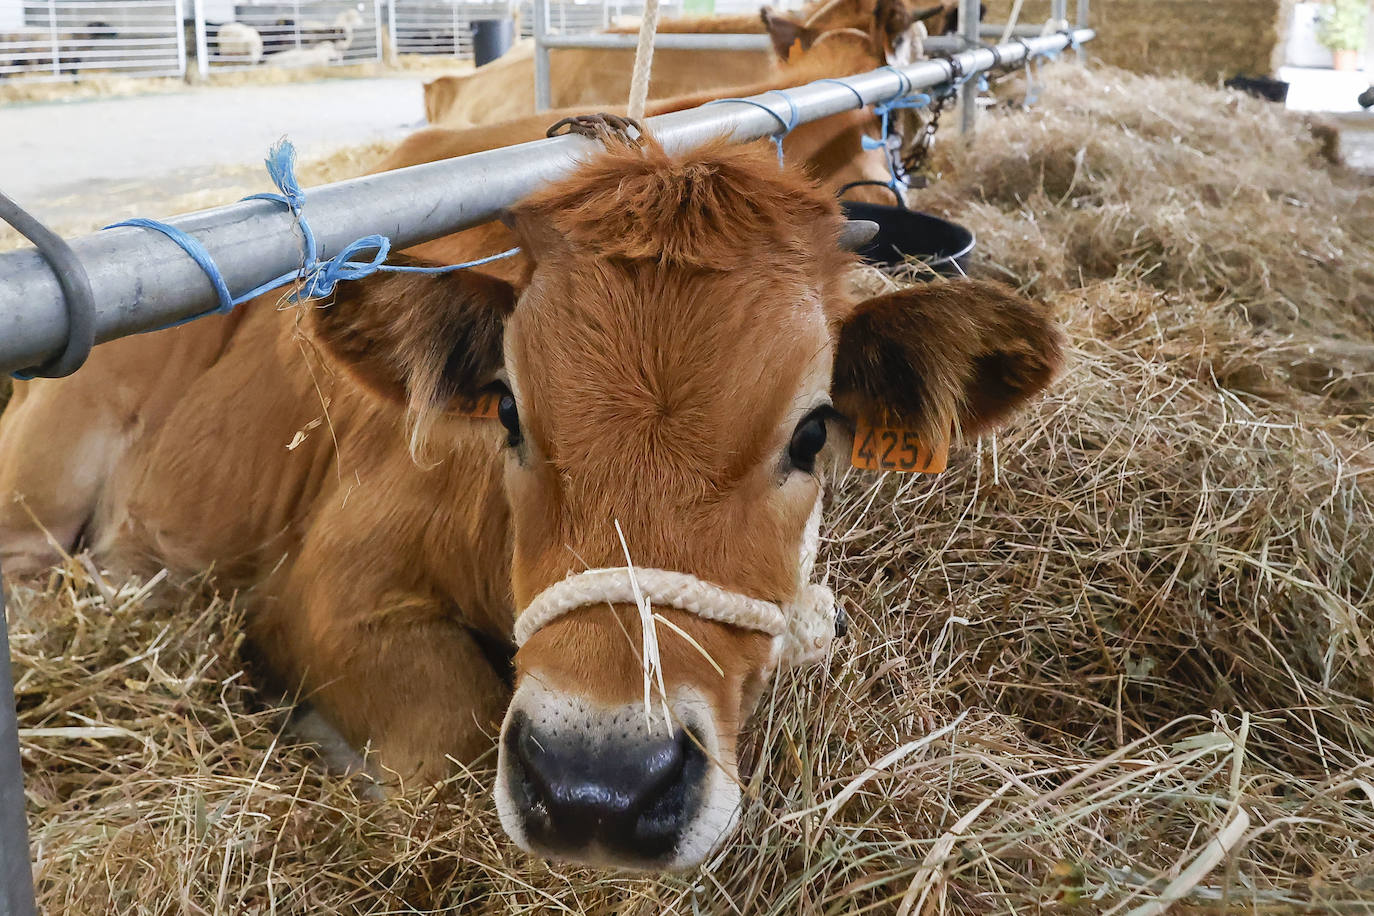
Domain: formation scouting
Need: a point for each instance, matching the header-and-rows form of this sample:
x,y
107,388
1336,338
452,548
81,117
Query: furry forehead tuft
x,y
714,208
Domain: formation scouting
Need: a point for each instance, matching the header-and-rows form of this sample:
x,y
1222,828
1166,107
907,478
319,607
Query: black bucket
x,y
490,39
910,234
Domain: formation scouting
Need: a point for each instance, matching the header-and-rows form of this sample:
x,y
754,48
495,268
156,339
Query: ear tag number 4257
x,y
880,448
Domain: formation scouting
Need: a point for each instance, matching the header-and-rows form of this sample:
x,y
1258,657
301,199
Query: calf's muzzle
x,y
626,798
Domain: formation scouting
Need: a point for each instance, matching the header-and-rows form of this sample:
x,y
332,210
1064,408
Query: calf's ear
x,y
787,33
416,338
957,356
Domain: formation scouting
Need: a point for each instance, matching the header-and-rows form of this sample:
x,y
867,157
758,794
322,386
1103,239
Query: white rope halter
x,y
802,629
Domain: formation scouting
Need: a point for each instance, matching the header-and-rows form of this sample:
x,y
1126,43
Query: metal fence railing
x,y
287,33
439,27
67,39
144,284
444,27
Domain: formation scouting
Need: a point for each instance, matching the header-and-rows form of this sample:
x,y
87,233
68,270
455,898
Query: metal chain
x,y
917,156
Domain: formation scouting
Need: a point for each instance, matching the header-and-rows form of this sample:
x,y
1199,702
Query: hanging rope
x,y
317,278
644,61
1011,22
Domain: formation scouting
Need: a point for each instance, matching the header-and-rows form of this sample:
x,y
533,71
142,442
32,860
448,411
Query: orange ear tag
x,y
479,407
881,448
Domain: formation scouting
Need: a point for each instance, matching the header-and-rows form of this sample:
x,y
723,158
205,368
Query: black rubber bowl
x,y
903,234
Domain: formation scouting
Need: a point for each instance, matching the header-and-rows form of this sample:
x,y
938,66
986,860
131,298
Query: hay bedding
x,y
1118,656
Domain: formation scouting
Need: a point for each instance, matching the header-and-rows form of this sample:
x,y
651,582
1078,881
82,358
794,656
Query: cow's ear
x,y
787,33
416,338
956,356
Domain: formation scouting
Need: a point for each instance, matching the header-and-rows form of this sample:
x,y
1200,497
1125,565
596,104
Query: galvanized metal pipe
x,y
377,29
143,281
1081,22
543,92
391,34
685,41
16,876
993,30
180,13
747,41
202,44
970,12
53,40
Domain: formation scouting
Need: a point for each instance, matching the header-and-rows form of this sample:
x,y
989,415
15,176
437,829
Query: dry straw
x,y
1114,660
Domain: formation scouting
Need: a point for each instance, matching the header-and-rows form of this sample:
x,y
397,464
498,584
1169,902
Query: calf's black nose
x,y
631,796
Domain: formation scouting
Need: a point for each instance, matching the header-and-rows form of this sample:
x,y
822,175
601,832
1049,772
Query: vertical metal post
x,y
968,93
1082,23
53,40
202,45
392,46
543,95
377,28
1059,12
456,25
180,26
16,875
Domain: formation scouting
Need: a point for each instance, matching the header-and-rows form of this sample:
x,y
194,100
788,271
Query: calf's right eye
x,y
509,416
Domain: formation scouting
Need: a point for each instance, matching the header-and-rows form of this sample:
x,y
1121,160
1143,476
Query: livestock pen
x,y
1114,661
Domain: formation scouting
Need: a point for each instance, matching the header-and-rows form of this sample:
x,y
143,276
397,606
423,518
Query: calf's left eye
x,y
807,441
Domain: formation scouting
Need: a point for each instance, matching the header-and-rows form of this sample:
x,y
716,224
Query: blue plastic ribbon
x,y
317,278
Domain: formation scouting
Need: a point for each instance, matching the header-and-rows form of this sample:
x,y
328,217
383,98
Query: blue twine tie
x,y
884,112
787,124
907,98
857,95
1032,87
317,278
902,77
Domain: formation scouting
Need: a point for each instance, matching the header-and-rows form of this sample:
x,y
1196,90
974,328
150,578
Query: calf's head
x,y
682,355
839,39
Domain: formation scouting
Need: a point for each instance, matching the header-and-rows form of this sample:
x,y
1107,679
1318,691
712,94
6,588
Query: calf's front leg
x,y
399,674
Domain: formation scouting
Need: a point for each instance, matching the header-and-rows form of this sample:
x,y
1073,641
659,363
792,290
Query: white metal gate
x,y
67,39
286,33
441,27
568,17
445,26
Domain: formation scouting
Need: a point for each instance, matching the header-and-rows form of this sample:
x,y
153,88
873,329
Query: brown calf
x,y
671,363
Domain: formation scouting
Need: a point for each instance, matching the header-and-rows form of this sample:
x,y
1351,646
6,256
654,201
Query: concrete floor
x,y
1319,89
1330,96
52,149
